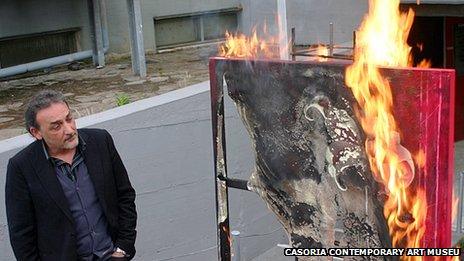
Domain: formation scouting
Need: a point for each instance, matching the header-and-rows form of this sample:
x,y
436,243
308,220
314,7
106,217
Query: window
x,y
193,28
33,47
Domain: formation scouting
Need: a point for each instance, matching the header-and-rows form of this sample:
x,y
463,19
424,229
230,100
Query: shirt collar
x,y
81,146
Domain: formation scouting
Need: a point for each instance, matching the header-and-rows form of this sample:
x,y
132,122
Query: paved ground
x,y
167,150
91,90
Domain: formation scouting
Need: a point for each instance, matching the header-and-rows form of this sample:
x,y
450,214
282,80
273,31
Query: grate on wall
x,y
34,47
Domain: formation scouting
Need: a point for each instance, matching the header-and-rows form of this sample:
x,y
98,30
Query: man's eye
x,y
56,127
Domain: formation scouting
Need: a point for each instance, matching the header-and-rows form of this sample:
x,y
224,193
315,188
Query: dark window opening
x,y
426,40
34,47
194,28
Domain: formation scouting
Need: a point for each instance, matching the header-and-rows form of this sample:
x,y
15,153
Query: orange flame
x,y
381,41
419,158
425,64
241,46
322,52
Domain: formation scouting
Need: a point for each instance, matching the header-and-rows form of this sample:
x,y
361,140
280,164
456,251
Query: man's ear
x,y
36,133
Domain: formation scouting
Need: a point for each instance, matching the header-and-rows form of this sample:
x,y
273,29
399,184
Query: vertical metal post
x,y
202,29
235,245
104,22
219,158
331,45
354,42
283,35
293,44
96,32
136,38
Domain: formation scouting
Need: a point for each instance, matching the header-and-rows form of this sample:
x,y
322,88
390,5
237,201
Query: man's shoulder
x,y
97,135
26,152
93,132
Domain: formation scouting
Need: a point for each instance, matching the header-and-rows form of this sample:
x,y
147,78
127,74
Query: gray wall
x,y
118,19
33,16
168,153
310,18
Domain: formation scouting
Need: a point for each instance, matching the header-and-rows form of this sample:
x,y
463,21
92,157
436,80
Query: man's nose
x,y
69,128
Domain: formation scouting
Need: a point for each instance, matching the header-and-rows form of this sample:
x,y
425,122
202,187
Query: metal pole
x,y
219,159
136,35
235,245
283,36
104,23
331,45
96,33
293,44
37,65
202,30
354,43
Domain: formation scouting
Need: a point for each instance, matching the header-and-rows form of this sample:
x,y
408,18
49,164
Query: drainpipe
x,y
46,63
104,21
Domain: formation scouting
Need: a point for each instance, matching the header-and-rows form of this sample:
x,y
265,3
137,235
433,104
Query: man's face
x,y
57,127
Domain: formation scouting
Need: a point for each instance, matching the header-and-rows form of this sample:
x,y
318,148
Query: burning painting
x,y
310,165
346,154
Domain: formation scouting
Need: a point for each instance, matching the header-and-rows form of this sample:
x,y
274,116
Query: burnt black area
x,y
272,95
303,214
352,175
354,225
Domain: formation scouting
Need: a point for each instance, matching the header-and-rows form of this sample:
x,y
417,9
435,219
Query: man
x,y
68,195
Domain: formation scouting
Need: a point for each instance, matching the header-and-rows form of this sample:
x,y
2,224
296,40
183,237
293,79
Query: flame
x,y
269,46
242,46
239,45
424,64
381,41
322,52
419,158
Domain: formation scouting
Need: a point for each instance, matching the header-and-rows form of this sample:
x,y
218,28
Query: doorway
x,y
441,41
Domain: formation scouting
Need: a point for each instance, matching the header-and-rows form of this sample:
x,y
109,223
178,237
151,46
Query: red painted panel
x,y
424,109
